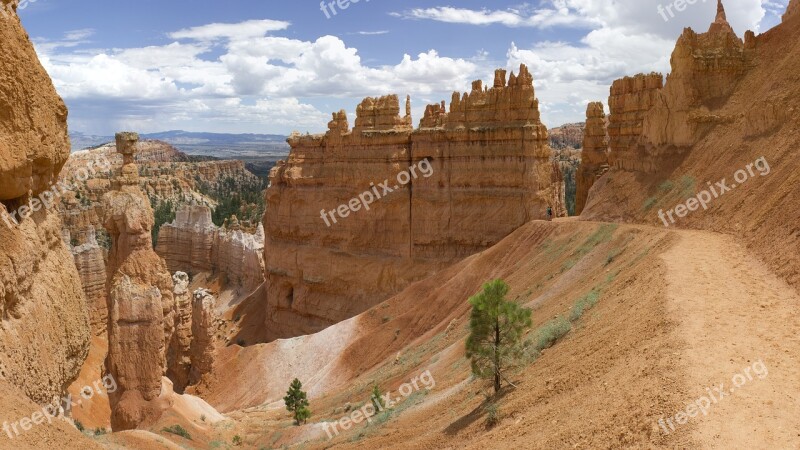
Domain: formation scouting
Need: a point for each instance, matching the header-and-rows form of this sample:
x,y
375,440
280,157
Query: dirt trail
x,y
732,313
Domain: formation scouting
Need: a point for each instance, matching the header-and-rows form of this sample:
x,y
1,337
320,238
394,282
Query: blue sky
x,y
271,66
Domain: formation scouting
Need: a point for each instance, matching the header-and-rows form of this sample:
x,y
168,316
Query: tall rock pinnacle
x,y
721,17
721,21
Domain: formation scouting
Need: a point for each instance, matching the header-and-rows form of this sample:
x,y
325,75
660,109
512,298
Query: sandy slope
x,y
680,311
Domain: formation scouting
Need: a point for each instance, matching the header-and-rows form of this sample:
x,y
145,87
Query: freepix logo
x,y
329,8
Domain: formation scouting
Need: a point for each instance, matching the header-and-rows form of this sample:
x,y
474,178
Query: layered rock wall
x,y
482,171
193,244
631,98
44,337
594,158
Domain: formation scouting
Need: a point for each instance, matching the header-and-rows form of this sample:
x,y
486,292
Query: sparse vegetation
x,y
549,333
687,185
237,440
297,402
649,203
163,212
79,426
99,431
496,328
492,414
178,431
583,304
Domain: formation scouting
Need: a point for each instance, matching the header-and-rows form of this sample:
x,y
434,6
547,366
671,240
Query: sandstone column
x,y
594,158
140,299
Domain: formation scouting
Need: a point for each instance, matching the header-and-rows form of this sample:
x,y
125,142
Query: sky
x,y
273,67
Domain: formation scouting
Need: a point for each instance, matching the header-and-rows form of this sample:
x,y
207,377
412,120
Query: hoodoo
x,y
141,307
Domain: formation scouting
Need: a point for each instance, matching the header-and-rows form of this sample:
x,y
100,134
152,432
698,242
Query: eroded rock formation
x,y
567,136
489,173
631,98
193,244
141,306
45,333
165,175
179,361
204,342
594,158
792,11
705,71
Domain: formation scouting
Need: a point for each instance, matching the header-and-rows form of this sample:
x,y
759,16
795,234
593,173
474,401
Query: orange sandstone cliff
x,y
44,338
482,171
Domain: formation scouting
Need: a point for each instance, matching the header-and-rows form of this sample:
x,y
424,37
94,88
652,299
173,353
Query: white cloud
x,y
558,14
232,74
241,30
243,77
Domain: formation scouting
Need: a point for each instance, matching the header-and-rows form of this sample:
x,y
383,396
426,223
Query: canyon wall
x,y
193,244
594,158
482,170
44,337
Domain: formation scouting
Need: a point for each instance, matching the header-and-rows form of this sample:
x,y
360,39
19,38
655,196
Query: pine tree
x,y
297,402
496,327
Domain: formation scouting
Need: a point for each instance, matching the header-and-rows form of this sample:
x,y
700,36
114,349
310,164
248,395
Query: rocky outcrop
x,y
141,306
594,158
489,172
193,244
44,337
567,136
89,259
705,71
792,11
630,100
651,128
178,352
204,342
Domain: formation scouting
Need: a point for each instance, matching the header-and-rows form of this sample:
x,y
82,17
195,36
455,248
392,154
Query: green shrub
x,y
99,431
649,203
177,430
549,333
666,186
237,440
583,304
79,426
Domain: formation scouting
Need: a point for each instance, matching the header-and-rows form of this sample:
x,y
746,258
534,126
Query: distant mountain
x,y
187,138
